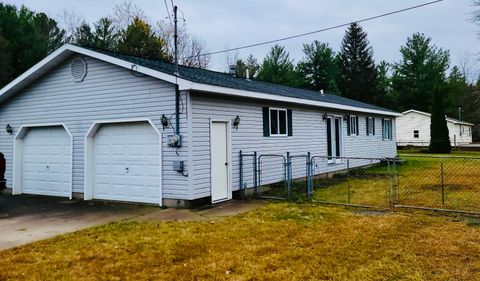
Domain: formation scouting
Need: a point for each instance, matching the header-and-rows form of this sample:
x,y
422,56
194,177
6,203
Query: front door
x,y
220,162
334,138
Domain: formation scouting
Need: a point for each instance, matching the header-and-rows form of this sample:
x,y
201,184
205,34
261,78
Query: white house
x,y
103,125
413,128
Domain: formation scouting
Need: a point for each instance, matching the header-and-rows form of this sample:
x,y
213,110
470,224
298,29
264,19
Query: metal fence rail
x,y
438,183
408,181
352,181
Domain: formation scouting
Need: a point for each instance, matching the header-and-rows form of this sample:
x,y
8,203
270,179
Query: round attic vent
x,y
78,69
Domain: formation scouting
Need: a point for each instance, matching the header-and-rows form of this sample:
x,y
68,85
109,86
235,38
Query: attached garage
x,y
43,161
124,162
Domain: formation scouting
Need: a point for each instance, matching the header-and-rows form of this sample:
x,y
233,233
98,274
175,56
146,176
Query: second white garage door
x,y
126,163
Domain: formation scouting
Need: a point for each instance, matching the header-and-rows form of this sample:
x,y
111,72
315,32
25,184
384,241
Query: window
x,y
278,122
387,129
370,126
352,124
416,134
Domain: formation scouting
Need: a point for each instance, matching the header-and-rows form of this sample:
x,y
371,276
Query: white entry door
x,y
220,162
46,162
126,163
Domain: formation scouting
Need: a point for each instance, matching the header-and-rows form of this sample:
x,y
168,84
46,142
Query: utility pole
x,y
460,113
175,40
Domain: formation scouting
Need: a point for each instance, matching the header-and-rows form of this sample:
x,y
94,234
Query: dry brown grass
x,y
279,242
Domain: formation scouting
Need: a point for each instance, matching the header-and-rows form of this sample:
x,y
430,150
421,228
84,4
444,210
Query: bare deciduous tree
x,y
191,49
469,67
124,14
69,21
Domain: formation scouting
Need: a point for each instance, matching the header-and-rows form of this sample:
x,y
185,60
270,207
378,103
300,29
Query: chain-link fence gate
x,y
416,182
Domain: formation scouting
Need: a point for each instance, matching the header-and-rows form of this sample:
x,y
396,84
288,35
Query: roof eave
x,y
61,54
258,95
66,50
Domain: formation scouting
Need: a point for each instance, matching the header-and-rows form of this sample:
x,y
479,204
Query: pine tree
x,y
105,37
83,36
26,37
439,137
356,79
319,67
278,68
140,40
423,66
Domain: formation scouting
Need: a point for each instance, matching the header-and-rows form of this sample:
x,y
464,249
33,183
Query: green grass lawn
x,y
419,183
282,241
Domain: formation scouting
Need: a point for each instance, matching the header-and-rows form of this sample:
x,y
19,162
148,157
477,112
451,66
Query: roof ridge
x,y
236,82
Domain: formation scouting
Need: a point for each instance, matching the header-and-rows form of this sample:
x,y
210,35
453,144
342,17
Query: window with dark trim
x,y
352,125
370,121
387,129
416,134
277,122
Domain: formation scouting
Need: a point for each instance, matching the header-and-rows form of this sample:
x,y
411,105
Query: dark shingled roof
x,y
214,78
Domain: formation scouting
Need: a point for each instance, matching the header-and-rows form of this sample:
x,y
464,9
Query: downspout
x,y
177,109
176,73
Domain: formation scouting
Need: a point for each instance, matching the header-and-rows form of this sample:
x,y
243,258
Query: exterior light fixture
x,y
164,121
345,117
324,117
9,129
236,122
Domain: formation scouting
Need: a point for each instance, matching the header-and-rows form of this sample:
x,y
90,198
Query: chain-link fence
x,y
352,181
272,175
422,182
451,183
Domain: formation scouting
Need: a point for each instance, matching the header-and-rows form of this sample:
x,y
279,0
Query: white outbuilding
x,y
413,129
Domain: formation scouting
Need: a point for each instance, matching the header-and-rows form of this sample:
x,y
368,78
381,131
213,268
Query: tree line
x,y
26,37
352,72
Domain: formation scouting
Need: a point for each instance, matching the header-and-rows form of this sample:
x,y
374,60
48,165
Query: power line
x,y
168,12
320,30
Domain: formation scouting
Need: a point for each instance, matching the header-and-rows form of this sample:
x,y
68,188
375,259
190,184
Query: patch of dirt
x,y
373,213
448,187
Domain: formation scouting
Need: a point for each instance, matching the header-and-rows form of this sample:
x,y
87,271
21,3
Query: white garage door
x,y
46,162
126,163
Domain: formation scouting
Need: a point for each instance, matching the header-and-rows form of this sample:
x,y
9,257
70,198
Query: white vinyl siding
x,y
413,120
107,92
309,136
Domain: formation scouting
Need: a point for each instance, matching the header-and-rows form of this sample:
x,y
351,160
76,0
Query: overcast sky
x,y
232,23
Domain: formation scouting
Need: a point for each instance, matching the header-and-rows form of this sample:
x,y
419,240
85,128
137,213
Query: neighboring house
x,y
413,128
102,125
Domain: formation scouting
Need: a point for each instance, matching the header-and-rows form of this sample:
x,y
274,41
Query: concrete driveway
x,y
26,218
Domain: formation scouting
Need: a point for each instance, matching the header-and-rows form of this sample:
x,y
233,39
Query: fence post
x,y
443,185
243,192
255,171
309,172
390,184
348,180
397,185
289,174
